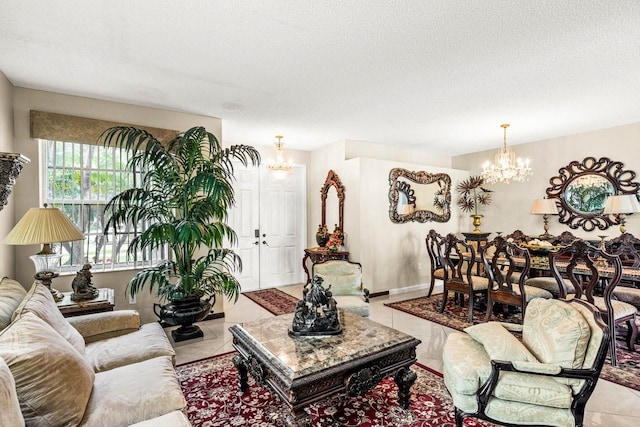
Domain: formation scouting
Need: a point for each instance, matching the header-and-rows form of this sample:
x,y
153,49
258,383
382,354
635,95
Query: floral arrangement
x,y
472,194
335,240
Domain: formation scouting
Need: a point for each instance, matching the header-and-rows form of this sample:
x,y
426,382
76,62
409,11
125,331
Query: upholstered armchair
x,y
545,378
435,247
345,279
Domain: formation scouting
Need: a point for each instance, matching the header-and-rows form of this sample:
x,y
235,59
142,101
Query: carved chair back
x,y
627,246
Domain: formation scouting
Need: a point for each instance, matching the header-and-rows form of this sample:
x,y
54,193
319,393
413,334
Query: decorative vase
x,y
322,236
476,222
184,312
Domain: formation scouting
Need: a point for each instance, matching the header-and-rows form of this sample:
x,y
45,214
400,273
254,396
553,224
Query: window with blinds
x,y
80,179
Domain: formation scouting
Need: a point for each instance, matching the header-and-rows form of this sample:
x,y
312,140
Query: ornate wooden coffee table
x,y
304,370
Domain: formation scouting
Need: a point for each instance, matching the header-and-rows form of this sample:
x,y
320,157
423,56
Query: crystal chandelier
x,y
506,167
280,168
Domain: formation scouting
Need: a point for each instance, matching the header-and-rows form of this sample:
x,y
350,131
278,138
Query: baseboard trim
x,y
436,289
378,294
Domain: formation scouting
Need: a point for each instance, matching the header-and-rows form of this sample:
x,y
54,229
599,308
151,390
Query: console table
x,y
105,301
317,255
304,370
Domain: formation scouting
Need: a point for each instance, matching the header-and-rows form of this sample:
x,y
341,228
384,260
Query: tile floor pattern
x,y
611,405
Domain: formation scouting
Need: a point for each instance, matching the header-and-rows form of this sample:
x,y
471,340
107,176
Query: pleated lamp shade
x,y
43,226
623,203
544,207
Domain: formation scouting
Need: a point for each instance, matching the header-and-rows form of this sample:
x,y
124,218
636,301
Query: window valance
x,y
62,127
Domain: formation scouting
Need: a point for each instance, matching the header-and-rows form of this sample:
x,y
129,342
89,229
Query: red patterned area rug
x,y
273,300
627,373
214,399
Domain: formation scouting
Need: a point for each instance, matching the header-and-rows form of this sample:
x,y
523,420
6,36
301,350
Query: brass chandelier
x,y
279,167
506,167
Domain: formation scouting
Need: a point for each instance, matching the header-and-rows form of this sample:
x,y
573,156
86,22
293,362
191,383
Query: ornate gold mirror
x,y
419,196
582,189
332,181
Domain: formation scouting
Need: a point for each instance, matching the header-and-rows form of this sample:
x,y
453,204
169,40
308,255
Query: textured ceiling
x,y
431,75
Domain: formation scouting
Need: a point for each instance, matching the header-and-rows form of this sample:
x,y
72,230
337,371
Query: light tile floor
x,y
611,405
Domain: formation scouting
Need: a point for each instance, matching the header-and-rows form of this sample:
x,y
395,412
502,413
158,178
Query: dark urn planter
x,y
184,312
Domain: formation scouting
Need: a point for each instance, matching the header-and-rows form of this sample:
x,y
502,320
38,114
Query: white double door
x,y
269,218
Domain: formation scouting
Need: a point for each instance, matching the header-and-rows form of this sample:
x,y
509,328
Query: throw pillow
x,y
10,414
11,295
40,302
53,381
499,343
556,333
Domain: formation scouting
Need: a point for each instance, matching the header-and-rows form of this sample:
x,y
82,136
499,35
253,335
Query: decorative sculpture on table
x,y
471,195
81,285
316,313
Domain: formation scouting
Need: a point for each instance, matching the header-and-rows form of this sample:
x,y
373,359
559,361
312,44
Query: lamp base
x,y
45,277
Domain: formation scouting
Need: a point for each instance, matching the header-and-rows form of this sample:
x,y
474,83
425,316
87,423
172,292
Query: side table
x,y
105,301
320,255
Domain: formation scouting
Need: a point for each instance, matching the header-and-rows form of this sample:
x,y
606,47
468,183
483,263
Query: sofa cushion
x,y
556,333
40,302
11,295
499,343
147,342
10,414
133,393
53,381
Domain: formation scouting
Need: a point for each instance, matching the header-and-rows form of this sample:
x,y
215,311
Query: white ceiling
x,y
435,75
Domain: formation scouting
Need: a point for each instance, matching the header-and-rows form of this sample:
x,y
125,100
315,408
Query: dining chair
x,y
459,262
435,245
550,283
627,246
501,267
584,269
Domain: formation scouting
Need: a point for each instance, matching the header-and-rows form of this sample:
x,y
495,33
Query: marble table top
x,y
302,356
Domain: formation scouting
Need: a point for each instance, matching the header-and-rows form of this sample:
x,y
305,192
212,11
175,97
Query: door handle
x,y
264,242
256,243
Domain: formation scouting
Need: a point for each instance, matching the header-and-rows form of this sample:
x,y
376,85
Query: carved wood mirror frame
x,y
333,181
443,195
612,171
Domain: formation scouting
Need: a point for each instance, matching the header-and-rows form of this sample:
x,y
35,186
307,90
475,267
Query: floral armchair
x,y
345,279
544,379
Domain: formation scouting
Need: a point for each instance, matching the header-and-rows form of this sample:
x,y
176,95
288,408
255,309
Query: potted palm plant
x,y
184,193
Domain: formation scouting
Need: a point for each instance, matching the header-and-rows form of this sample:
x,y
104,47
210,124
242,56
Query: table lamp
x,y
620,205
44,226
545,207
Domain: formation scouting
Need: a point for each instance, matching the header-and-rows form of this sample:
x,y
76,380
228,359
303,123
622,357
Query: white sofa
x,y
102,369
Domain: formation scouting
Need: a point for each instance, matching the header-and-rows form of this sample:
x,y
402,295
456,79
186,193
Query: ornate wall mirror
x,y
583,187
332,181
419,196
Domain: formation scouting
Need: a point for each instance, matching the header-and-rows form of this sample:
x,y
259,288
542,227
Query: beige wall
x,y
512,202
393,256
7,215
26,193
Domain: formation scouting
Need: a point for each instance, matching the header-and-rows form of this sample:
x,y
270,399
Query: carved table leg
x,y
304,267
241,366
404,378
